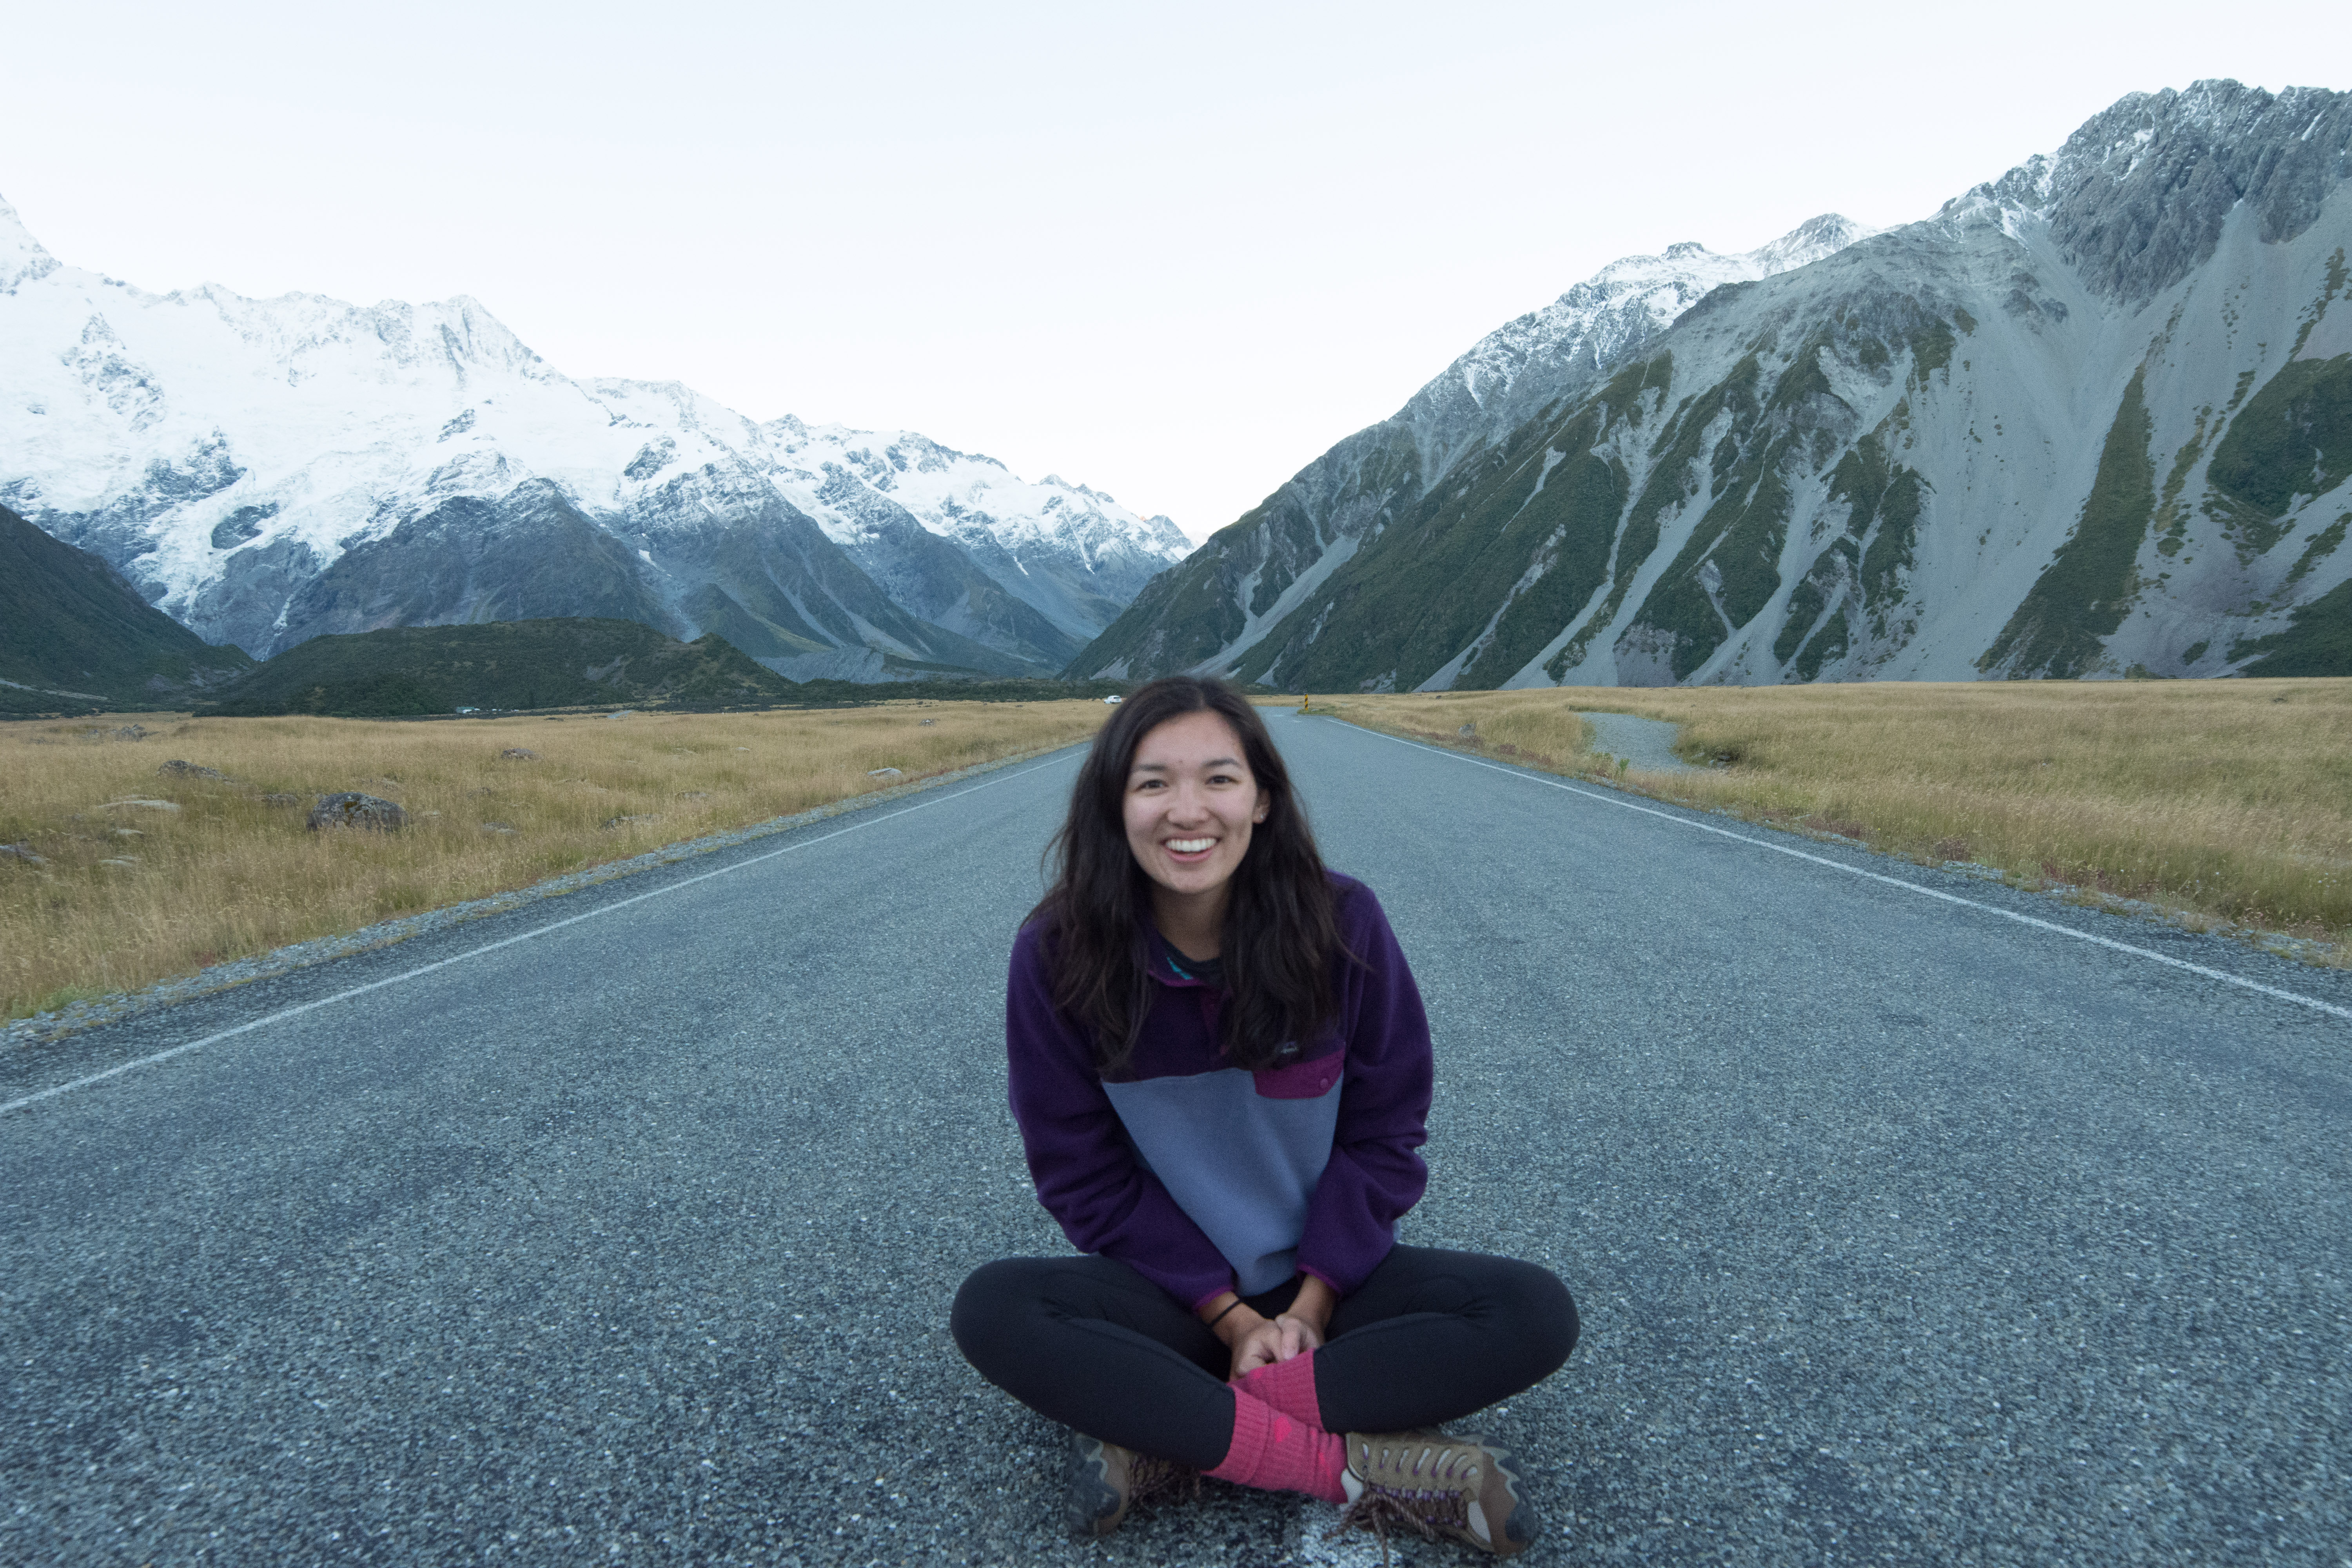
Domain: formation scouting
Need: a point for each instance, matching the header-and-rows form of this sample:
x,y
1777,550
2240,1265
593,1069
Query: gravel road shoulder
x,y
1647,744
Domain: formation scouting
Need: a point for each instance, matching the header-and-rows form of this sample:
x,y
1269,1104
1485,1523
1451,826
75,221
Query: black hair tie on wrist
x,y
1220,1316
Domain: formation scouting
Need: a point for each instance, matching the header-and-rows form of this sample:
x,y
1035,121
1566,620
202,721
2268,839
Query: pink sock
x,y
1274,1453
1288,1387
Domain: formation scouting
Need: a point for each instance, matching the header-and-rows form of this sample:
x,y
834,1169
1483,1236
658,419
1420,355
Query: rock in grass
x,y
21,852
353,810
882,773
139,806
502,827
519,754
176,768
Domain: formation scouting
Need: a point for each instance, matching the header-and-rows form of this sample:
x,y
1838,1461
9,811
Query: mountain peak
x,y
259,466
2138,196
22,258
1610,314
1809,242
1801,483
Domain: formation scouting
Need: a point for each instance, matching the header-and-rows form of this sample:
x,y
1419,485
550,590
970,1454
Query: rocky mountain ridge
x,y
270,470
2094,417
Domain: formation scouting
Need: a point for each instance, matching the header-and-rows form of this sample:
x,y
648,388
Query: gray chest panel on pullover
x,y
1243,1165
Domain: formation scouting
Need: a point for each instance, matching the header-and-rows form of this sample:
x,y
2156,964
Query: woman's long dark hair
x,y
1280,947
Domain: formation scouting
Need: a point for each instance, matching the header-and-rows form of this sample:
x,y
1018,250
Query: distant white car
x,y
1114,701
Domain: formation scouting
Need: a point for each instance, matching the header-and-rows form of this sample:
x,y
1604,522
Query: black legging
x,y
1431,1336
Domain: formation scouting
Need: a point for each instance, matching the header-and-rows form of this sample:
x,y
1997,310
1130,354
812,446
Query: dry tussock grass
x,y
128,895
1536,728
2224,800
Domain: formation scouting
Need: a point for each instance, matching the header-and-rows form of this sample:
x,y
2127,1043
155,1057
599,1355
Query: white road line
x,y
297,1010
1609,798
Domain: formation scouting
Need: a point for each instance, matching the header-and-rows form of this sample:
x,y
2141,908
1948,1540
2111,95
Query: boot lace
x,y
1153,1479
1421,1509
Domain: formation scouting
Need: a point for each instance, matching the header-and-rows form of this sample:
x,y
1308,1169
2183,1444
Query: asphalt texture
x,y
1902,1232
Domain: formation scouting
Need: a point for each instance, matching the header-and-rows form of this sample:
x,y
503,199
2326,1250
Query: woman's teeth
x,y
1190,846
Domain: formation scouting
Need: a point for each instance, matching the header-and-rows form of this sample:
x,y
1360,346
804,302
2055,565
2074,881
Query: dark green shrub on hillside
x,y
2318,640
2293,437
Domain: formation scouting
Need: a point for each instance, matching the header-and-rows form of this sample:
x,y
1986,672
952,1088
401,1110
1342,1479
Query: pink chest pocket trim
x,y
1301,1080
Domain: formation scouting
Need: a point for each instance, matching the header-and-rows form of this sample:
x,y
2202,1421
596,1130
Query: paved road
x,y
1904,1232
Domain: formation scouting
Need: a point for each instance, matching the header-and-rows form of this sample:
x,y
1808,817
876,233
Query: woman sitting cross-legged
x,y
1222,1072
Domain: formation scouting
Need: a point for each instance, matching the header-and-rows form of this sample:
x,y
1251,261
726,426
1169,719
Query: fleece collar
x,y
1160,962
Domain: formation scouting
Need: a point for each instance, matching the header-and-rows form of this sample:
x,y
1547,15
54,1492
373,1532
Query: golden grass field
x,y
127,895
2222,800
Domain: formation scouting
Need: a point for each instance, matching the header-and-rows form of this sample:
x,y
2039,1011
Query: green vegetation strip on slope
x,y
1676,449
2080,600
1413,598
1437,574
2322,545
1742,533
2318,640
2293,437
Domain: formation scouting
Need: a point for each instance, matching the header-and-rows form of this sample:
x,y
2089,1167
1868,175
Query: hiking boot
x,y
1436,1485
1106,1480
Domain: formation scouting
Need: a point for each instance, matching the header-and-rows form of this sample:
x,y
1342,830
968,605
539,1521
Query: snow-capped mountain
x,y
1256,573
1515,370
267,471
1076,555
2093,417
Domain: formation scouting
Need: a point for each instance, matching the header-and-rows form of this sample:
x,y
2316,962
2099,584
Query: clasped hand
x,y
1270,1339
1257,1342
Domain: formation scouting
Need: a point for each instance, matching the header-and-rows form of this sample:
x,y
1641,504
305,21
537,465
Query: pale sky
x,y
1171,252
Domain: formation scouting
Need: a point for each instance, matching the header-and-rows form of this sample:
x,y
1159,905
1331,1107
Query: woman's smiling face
x,y
1191,804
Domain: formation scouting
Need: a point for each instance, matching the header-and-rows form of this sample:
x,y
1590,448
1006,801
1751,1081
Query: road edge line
x,y
865,821
2210,974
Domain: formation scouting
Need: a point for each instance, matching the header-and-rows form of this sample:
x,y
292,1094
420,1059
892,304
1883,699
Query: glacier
x,y
266,471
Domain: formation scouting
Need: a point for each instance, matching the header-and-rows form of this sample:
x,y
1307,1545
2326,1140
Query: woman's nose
x,y
1189,805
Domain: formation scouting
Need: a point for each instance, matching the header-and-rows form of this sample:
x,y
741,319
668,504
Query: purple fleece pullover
x,y
1204,1177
